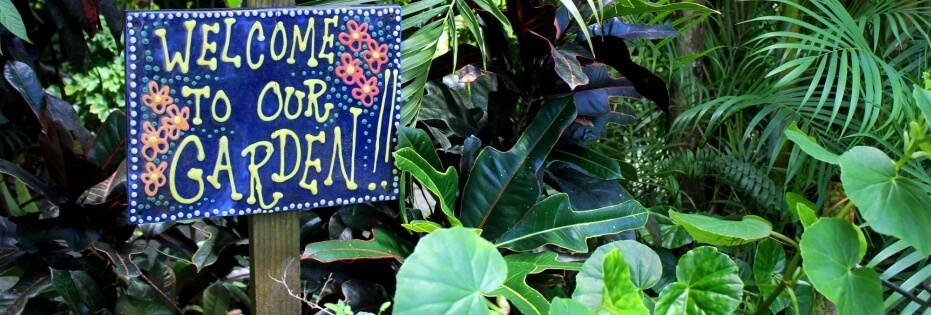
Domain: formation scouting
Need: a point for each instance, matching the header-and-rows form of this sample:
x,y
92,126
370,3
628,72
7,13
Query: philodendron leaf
x,y
444,186
450,272
708,284
642,262
810,145
830,251
515,288
502,186
563,306
419,140
590,161
620,294
891,204
383,245
553,221
720,232
768,264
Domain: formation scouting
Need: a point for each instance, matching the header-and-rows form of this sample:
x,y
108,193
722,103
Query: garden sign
x,y
237,112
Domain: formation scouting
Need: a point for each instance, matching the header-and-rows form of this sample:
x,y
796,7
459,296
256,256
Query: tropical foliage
x,y
556,157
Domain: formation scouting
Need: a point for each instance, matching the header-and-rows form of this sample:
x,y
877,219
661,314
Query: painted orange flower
x,y
376,56
157,99
176,121
154,141
356,35
366,91
154,177
349,71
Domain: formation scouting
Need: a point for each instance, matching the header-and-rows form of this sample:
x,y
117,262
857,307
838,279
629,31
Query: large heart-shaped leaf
x,y
720,232
502,186
553,221
444,186
383,245
708,284
642,262
621,296
830,252
478,270
768,264
515,289
890,203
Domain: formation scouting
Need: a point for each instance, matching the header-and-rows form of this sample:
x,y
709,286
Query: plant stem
x,y
787,274
843,211
494,307
783,238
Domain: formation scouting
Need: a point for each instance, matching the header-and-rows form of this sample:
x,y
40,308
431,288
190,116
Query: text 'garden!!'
x,y
250,111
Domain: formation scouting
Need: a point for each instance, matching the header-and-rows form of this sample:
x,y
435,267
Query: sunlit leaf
x,y
714,231
515,289
708,284
383,245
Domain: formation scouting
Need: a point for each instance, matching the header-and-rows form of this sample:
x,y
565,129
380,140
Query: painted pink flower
x,y
176,121
366,91
154,141
349,71
355,35
376,56
154,177
157,99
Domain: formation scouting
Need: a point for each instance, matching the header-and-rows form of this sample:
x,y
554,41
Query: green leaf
x,y
422,226
217,239
553,221
891,204
24,198
793,199
810,145
456,267
12,205
140,298
444,186
12,21
108,149
420,141
32,182
620,294
383,244
13,300
121,257
590,161
829,256
768,264
78,288
720,232
628,7
643,263
502,186
216,299
806,215
708,284
163,277
563,306
923,100
515,289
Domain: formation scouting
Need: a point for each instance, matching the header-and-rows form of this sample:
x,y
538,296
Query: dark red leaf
x,y
613,52
114,16
69,32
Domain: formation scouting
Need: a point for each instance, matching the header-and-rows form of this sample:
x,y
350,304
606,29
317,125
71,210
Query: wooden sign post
x,y
261,111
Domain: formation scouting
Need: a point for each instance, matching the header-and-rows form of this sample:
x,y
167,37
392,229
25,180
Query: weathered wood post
x,y
274,245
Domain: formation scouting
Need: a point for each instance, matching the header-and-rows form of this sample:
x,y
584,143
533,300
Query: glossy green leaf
x,y
643,263
219,296
416,54
672,235
553,221
444,186
628,7
109,147
502,186
163,277
620,294
720,232
140,298
13,300
806,215
515,289
890,203
383,245
422,226
829,256
420,141
810,145
590,161
79,289
923,100
217,239
793,199
121,257
708,284
11,20
768,263
12,204
477,270
563,306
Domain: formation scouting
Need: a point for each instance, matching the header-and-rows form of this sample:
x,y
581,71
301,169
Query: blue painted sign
x,y
239,112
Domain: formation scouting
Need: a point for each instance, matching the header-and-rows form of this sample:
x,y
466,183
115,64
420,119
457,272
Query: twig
x,y
284,275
